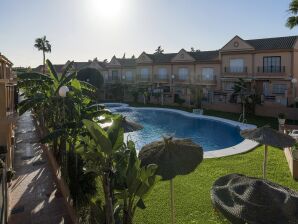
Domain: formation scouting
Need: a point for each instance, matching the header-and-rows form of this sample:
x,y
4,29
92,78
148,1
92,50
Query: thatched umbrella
x,y
130,126
173,157
243,199
268,136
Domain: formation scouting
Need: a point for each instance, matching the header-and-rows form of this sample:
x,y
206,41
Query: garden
x,y
108,182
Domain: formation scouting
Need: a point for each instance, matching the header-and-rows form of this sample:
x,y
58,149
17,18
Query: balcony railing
x,y
199,78
161,78
181,79
272,69
235,69
11,99
143,78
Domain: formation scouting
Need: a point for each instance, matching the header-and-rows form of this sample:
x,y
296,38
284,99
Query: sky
x,y
81,30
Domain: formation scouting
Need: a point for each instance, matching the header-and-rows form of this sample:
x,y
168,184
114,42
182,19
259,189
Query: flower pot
x,y
281,121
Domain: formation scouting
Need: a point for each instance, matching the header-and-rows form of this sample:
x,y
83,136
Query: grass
x,y
192,192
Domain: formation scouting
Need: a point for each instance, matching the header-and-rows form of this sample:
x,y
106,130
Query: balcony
x,y
161,78
128,81
185,80
143,78
271,70
199,79
114,79
235,70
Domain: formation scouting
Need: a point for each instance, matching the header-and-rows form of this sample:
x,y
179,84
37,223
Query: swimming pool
x,y
213,134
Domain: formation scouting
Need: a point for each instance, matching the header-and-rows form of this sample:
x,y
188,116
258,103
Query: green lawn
x,y
192,192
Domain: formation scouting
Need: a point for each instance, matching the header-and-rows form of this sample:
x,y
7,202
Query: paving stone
x,y
34,197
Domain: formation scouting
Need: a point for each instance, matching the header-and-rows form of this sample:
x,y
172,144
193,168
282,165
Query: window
x,y
145,73
208,74
183,73
228,86
279,88
271,64
115,75
128,75
237,65
162,73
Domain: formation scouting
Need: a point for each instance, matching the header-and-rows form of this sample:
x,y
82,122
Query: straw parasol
x,y
243,199
268,136
173,157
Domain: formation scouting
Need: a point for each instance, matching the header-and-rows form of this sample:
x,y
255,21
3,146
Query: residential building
x,y
8,115
268,66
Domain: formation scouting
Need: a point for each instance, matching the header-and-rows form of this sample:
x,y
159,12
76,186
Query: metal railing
x,y
163,78
143,78
235,69
271,69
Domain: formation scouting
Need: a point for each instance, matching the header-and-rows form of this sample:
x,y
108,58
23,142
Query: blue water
x,y
208,133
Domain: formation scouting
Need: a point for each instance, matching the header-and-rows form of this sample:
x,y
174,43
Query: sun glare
x,y
107,9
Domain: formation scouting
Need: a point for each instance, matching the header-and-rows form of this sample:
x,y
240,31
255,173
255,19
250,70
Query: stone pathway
x,y
34,197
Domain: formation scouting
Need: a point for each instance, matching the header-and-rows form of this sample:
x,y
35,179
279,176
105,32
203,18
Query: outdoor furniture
x,y
243,199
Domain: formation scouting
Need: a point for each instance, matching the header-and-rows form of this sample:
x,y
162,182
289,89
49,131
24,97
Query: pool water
x,y
210,134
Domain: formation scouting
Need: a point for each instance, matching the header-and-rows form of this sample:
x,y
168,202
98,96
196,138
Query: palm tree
x,y
293,9
42,44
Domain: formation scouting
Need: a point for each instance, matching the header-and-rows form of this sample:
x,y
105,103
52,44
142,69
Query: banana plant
x,y
97,150
139,181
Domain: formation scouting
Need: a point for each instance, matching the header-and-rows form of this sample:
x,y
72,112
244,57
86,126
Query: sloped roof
x,y
162,58
129,62
77,66
198,56
273,43
205,55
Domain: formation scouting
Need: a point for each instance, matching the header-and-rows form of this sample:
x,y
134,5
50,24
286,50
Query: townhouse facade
x,y
269,68
8,116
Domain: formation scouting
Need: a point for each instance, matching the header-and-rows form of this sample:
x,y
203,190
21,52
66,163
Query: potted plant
x,y
281,118
295,151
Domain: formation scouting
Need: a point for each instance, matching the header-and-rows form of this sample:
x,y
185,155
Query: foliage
x,y
178,100
293,19
92,76
125,184
159,50
281,116
197,92
117,90
138,182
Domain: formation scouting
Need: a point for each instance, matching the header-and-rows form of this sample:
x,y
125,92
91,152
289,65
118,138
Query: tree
x,y
123,56
133,56
192,49
105,61
42,44
293,9
159,50
92,76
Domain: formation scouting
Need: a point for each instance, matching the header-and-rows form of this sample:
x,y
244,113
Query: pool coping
x,y
244,146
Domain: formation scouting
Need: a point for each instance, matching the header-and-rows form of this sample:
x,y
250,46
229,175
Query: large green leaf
x,y
67,69
100,137
52,70
116,133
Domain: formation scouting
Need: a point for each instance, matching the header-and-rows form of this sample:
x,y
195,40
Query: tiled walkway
x,y
34,197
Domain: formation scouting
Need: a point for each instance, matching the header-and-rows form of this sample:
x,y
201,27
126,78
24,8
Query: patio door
x,y
266,88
